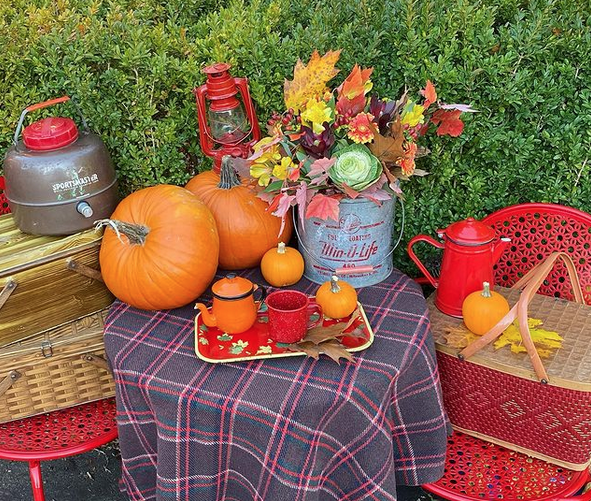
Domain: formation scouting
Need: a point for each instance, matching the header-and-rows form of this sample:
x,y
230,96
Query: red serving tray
x,y
215,346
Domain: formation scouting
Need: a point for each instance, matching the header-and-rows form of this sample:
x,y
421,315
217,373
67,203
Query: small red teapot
x,y
470,249
234,308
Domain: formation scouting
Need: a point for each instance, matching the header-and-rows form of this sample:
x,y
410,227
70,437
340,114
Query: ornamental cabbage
x,y
356,167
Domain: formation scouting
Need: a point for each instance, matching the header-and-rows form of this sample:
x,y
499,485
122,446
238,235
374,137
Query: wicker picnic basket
x,y
46,281
543,410
61,367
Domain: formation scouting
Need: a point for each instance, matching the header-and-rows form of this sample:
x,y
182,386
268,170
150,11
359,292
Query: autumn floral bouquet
x,y
345,142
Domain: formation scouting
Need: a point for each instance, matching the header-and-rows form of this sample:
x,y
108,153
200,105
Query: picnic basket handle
x,y
529,283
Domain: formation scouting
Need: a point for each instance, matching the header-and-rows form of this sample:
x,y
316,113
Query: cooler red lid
x,y
469,232
50,133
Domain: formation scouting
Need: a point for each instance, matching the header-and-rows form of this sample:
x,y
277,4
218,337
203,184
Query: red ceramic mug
x,y
289,314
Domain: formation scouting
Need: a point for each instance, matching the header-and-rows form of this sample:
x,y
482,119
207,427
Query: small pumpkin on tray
x,y
337,298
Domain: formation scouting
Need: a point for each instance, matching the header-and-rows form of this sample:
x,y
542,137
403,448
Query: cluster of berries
x,y
286,119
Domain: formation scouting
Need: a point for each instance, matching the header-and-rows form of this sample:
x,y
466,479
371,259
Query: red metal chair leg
x,y
36,480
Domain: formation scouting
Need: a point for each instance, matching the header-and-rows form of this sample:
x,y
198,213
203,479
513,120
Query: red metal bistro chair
x,y
57,434
476,469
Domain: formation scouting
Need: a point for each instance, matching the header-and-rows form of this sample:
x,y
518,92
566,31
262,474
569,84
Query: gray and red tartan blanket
x,y
280,429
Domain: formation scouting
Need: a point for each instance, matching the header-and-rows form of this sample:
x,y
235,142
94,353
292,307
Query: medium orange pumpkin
x,y
282,266
247,229
337,298
160,248
483,309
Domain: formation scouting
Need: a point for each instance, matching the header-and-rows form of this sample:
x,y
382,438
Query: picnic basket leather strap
x,y
529,284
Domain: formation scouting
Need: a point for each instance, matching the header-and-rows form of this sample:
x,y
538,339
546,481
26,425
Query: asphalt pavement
x,y
94,476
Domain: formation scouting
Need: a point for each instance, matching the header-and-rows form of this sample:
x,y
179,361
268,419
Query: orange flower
x,y
407,163
359,130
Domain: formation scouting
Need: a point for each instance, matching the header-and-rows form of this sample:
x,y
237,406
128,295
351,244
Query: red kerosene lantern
x,y
227,125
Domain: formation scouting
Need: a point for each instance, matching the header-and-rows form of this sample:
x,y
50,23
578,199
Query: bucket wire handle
x,y
355,269
46,104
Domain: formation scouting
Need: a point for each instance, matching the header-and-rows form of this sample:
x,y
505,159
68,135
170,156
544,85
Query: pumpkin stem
x,y
281,248
334,284
485,290
228,177
136,233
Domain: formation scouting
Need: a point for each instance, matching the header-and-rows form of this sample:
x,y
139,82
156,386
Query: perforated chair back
x,y
4,208
476,469
536,230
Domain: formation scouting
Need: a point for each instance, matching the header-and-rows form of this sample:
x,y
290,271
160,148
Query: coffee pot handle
x,y
263,292
420,265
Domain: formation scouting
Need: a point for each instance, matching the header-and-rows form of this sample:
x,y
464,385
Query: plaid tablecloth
x,y
283,429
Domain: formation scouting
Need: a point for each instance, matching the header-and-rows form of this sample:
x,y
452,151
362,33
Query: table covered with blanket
x,y
278,429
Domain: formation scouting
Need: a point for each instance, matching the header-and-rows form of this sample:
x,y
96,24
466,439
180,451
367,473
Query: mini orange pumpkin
x,y
337,298
483,309
282,266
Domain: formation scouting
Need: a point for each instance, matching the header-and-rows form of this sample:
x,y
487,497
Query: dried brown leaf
x,y
388,148
309,348
354,317
335,350
320,334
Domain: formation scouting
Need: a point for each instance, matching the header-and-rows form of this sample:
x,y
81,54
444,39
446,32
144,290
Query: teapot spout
x,y
499,248
207,317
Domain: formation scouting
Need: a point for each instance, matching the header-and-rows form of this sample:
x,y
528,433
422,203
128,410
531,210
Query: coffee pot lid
x,y
469,232
50,133
232,287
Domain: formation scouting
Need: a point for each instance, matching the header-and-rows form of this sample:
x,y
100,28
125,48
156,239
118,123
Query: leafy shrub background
x,y
132,65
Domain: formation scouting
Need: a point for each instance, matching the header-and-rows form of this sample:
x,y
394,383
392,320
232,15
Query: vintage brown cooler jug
x,y
59,180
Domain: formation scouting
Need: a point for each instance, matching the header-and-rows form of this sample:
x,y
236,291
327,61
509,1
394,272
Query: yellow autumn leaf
x,y
545,341
309,81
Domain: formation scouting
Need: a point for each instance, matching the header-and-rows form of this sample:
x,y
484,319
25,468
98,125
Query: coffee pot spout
x,y
207,317
499,248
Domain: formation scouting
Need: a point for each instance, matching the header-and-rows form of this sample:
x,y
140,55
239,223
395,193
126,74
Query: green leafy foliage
x,y
132,65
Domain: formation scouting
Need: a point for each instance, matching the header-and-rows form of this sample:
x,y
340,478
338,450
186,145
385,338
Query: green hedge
x,y
133,64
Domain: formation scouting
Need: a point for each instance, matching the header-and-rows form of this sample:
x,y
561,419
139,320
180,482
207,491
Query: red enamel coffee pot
x,y
470,249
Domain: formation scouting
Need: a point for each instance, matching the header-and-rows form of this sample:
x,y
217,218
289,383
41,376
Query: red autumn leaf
x,y
355,83
429,94
323,207
284,205
273,204
449,122
320,167
350,192
351,93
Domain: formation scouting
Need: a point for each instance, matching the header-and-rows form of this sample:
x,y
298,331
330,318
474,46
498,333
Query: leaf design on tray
x,y
203,340
225,337
264,350
238,347
325,339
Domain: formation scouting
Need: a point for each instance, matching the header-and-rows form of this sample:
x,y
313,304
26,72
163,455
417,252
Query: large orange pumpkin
x,y
160,248
247,229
